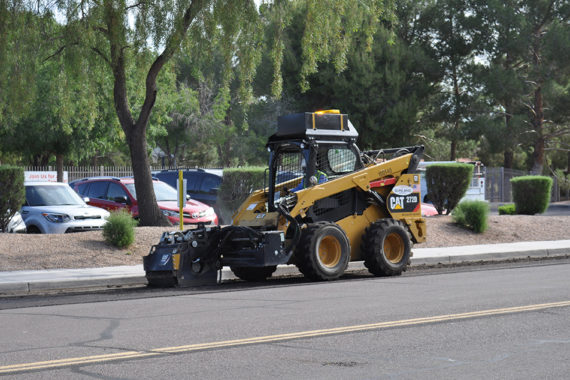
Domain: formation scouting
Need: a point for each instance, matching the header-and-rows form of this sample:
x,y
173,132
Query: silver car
x,y
16,224
54,208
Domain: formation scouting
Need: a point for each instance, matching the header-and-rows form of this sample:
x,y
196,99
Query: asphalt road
x,y
508,322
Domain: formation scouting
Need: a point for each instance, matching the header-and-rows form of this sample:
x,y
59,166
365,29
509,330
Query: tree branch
x,y
100,53
58,51
561,132
546,15
134,6
172,44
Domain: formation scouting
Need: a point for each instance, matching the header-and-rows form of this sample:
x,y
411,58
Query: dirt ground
x,y
89,249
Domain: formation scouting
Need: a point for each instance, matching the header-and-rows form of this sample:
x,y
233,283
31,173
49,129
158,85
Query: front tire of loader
x,y
323,252
254,274
386,247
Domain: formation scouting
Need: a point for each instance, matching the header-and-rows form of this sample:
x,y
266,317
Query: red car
x,y
113,193
428,209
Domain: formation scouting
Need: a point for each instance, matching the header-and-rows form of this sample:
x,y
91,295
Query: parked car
x,y
16,224
53,208
112,193
428,209
201,184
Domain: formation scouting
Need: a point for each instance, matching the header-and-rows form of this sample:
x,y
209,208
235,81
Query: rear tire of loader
x,y
323,252
254,274
386,247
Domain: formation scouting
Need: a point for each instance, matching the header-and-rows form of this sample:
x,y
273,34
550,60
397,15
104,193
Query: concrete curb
x,y
34,282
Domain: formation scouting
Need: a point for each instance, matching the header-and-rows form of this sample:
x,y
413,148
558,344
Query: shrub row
x,y
12,193
120,229
509,209
472,215
531,194
447,184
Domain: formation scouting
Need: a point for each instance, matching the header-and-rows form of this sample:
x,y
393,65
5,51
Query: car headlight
x,y
57,218
204,213
170,213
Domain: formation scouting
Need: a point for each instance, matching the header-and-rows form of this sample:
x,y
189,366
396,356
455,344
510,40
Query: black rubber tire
x,y
386,247
323,252
33,230
254,274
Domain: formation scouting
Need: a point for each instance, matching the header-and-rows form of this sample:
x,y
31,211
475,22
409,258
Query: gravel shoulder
x,y
89,249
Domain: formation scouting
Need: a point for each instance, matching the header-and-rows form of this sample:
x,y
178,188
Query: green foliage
x,y
509,209
531,194
447,184
384,90
12,193
472,215
238,183
120,229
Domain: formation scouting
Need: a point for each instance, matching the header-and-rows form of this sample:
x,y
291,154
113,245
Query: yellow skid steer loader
x,y
326,203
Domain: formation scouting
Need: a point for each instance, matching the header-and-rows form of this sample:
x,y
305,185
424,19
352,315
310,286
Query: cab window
x,y
341,160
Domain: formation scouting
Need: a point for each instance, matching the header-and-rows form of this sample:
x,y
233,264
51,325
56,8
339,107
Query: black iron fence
x,y
78,172
498,185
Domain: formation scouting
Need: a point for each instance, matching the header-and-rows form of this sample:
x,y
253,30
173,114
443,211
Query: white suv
x,y
54,208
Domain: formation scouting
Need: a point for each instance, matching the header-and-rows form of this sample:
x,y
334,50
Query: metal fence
x,y
78,172
498,185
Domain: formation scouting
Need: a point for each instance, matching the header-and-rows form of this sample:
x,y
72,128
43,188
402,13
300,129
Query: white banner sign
x,y
43,176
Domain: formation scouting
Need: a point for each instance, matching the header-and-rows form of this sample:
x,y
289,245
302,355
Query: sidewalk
x,y
26,282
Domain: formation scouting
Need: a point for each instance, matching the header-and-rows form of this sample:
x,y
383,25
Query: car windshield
x,y
46,195
162,191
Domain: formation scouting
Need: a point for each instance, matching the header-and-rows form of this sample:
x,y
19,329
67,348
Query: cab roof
x,y
319,125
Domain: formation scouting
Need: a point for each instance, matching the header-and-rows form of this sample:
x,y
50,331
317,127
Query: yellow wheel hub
x,y
329,251
394,248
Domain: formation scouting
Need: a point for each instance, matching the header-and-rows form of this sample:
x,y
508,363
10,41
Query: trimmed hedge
x,y
238,183
12,193
447,184
507,209
120,229
531,194
472,215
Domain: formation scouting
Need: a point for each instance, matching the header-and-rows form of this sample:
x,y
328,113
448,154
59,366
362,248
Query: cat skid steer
x,y
326,203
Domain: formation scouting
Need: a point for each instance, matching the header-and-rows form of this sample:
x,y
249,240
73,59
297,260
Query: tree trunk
x,y
146,199
453,150
509,136
538,124
59,166
45,159
135,131
508,157
456,112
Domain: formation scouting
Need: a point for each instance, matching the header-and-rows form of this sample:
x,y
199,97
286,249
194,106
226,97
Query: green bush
x,y
120,229
238,183
472,214
12,193
447,184
507,209
531,194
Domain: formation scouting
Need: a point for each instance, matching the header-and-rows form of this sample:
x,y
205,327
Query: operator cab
x,y
308,149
